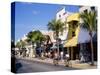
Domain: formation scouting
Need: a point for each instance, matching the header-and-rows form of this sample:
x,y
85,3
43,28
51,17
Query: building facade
x,y
62,15
77,38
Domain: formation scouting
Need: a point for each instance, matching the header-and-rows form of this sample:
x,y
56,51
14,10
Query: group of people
x,y
52,54
46,51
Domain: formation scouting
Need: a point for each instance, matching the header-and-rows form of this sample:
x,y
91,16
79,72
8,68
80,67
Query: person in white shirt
x,y
61,54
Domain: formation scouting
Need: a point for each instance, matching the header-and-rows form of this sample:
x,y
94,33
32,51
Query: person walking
x,y
61,55
55,59
67,59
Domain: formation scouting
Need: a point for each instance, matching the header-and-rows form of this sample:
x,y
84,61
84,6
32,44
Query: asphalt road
x,y
26,66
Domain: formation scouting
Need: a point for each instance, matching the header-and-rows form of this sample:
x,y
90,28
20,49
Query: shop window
x,y
74,24
64,13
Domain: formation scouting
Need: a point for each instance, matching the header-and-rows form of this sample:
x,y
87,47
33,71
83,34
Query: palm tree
x,y
35,37
18,45
57,26
21,44
89,22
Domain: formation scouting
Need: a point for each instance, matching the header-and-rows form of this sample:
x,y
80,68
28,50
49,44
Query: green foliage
x,y
35,36
56,26
18,44
90,23
21,44
89,19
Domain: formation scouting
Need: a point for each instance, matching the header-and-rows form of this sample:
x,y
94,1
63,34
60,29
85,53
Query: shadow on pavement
x,y
18,65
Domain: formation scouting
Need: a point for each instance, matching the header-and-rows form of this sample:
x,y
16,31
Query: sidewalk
x,y
74,63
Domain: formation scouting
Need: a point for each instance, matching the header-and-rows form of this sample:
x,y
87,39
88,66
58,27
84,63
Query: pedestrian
x,y
55,60
49,54
66,61
61,55
82,59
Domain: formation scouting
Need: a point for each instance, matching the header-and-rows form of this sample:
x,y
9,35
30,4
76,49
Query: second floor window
x,y
73,34
59,15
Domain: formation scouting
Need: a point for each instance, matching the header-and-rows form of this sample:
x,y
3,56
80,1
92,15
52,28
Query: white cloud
x,y
35,12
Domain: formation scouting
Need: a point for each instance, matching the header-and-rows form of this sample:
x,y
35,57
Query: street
x,y
34,66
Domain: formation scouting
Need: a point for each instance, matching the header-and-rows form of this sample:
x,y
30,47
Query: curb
x,y
73,65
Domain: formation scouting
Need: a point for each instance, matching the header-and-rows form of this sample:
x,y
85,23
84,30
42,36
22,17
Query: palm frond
x,y
89,19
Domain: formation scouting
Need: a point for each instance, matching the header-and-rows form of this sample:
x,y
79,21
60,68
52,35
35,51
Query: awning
x,y
74,40
73,17
71,43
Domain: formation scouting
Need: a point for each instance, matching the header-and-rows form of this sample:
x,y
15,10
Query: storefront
x,y
72,38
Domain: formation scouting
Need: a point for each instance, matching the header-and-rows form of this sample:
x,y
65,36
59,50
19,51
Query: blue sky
x,y
29,16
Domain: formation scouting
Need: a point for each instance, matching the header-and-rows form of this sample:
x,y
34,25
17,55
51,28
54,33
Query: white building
x,y
88,8
62,15
50,33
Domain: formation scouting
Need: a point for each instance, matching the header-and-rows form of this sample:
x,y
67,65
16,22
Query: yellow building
x,y
72,37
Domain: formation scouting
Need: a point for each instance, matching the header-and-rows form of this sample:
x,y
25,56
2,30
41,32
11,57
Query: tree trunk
x,y
92,51
57,35
71,53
